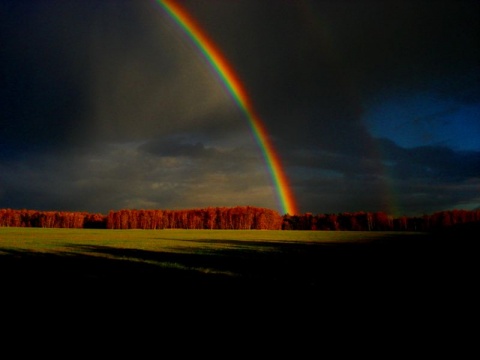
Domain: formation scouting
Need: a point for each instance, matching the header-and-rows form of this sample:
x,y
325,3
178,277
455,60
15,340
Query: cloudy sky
x,y
371,105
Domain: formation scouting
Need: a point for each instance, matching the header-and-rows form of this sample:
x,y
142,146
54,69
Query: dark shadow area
x,y
382,268
392,280
398,284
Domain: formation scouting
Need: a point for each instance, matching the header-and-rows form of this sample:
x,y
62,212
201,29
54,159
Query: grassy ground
x,y
86,276
234,286
302,260
352,267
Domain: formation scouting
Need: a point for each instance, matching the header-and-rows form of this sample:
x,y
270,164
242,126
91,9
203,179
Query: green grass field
x,y
167,258
86,275
55,240
99,277
142,278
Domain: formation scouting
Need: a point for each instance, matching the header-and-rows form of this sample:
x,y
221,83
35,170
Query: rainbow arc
x,y
236,89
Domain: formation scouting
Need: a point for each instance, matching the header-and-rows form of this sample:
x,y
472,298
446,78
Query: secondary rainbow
x,y
239,95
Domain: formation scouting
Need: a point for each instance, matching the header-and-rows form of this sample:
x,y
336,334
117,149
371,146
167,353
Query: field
x,y
119,277
204,259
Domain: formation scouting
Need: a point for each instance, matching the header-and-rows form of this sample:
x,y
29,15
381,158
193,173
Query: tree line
x,y
226,218
234,218
380,221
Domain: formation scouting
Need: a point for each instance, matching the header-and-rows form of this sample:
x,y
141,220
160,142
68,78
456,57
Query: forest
x,y
233,218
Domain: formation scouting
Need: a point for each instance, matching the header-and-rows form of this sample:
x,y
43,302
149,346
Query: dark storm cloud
x,y
291,74
137,176
174,147
312,69
328,58
44,65
208,159
81,71
93,91
105,105
435,163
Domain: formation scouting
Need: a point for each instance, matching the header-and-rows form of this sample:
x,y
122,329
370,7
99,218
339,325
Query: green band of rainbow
x,y
238,93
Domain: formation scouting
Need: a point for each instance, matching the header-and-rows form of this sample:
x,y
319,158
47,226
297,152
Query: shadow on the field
x,y
351,268
414,281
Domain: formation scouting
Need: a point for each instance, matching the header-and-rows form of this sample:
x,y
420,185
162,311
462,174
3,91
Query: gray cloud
x,y
138,176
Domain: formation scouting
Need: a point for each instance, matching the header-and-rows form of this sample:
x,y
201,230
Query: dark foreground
x,y
432,266
402,292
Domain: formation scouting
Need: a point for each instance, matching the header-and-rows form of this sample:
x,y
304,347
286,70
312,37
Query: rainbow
x,y
239,95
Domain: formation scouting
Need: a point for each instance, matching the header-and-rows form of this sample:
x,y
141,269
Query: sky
x,y
370,105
